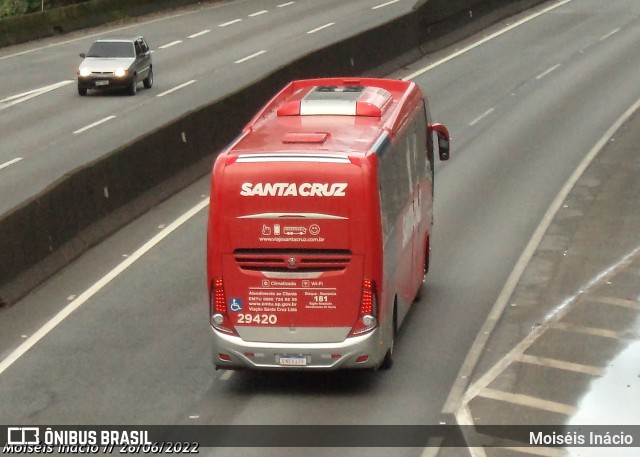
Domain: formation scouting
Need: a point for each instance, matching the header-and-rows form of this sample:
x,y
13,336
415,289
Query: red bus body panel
x,y
301,223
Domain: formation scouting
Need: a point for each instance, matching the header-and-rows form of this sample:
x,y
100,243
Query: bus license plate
x,y
293,360
102,83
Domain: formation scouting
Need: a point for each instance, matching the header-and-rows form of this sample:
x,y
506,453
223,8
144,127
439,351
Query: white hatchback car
x,y
116,63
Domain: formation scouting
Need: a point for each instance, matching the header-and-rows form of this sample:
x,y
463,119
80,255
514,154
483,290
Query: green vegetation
x,y
19,7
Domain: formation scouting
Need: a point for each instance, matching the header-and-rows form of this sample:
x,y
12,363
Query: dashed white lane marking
x,y
183,85
168,45
485,39
10,162
545,73
608,35
99,285
90,126
111,31
195,35
225,24
527,400
382,5
255,54
322,27
282,5
258,13
482,116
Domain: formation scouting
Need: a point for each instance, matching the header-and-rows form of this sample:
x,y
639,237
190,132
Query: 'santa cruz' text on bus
x,y
285,189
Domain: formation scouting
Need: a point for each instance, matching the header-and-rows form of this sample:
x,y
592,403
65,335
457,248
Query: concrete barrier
x,y
20,29
49,231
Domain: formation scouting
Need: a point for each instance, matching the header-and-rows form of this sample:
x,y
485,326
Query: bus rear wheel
x,y
387,362
427,254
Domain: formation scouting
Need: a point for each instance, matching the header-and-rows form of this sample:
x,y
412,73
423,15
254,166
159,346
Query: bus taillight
x,y
367,320
219,317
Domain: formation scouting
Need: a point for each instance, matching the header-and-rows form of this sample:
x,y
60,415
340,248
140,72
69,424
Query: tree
x,y
13,7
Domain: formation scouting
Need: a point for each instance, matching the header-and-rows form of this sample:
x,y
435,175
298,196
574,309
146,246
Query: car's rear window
x,y
111,49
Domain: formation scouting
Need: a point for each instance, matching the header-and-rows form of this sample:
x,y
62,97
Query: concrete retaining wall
x,y
49,231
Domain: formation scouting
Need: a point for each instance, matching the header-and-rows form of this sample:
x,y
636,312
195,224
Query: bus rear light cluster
x,y
219,317
367,320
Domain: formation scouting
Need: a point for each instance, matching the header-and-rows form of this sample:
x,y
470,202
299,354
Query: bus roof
x,y
341,115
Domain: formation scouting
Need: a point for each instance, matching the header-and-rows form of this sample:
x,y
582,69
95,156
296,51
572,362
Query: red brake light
x,y
368,309
366,305
219,301
219,318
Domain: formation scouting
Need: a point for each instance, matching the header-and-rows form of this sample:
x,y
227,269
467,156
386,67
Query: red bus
x,y
319,224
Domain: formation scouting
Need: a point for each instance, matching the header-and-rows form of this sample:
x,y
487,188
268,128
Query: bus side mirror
x,y
444,140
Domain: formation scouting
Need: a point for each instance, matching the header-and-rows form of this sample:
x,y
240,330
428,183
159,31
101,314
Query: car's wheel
x,y
82,91
133,86
387,362
148,81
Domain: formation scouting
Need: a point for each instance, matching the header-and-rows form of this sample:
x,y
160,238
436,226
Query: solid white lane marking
x,y
168,45
545,73
258,13
382,5
19,98
10,162
282,5
322,27
255,54
225,24
561,365
529,401
463,417
482,116
99,285
195,35
90,126
170,91
485,39
613,32
517,352
457,391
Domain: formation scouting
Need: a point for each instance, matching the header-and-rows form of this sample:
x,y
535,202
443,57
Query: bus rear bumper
x,y
359,352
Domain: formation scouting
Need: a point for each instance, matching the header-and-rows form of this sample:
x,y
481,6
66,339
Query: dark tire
x,y
133,86
148,81
82,91
387,362
427,255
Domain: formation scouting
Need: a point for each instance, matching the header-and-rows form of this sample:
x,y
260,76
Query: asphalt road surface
x,y
199,55
525,103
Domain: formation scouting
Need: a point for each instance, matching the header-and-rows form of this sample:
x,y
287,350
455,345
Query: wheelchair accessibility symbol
x,y
235,304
